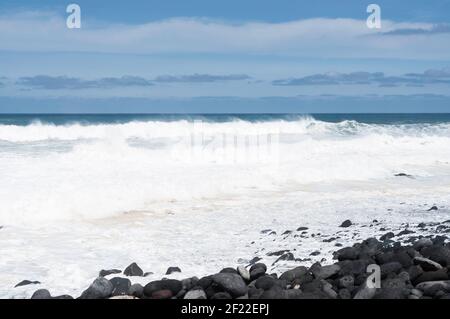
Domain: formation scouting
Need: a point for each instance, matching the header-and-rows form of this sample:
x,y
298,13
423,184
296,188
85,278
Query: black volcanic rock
x,y
346,223
133,270
171,270
26,282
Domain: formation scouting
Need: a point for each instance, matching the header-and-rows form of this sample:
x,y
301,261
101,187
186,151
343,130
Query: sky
x,y
224,56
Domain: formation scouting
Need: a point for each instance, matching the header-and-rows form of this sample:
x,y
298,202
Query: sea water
x,y
80,193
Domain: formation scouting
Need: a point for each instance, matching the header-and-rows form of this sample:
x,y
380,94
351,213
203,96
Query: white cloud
x,y
328,38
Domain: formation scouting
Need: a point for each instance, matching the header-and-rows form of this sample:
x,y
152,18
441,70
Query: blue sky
x,y
203,56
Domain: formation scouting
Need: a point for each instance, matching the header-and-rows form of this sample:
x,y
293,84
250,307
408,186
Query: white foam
x,y
104,170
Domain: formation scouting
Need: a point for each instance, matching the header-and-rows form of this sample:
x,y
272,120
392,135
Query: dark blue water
x,y
86,119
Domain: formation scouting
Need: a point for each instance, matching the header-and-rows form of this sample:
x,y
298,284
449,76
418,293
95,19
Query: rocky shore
x,y
406,265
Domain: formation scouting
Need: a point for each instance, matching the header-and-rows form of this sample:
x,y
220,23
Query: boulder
x,y
41,294
121,286
101,288
347,253
295,273
104,273
162,294
166,284
427,264
231,283
171,270
26,282
136,290
245,274
326,272
387,236
133,270
346,223
437,253
195,294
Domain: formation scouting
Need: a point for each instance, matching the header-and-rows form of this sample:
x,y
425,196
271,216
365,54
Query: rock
x,y
293,274
265,282
278,253
394,288
416,292
253,261
136,290
326,272
166,284
26,282
427,264
387,236
254,293
442,284
437,275
147,273
257,270
101,288
195,294
205,282
121,286
256,273
405,232
432,208
414,272
171,270
439,240
312,295
422,242
104,273
189,283
133,270
328,290
347,281
390,268
122,297
347,253
66,297
258,265
228,270
245,274
221,295
354,267
439,254
287,257
275,292
41,294
346,223
365,291
293,294
162,294
403,175
231,283
344,294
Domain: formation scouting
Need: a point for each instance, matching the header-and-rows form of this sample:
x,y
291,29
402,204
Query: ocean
x,y
85,192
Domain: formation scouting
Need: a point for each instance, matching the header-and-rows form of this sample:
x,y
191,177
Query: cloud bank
x,y
71,83
378,78
47,82
200,78
321,37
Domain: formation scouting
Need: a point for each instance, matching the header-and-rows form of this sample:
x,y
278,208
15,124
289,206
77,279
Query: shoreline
x,y
412,262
